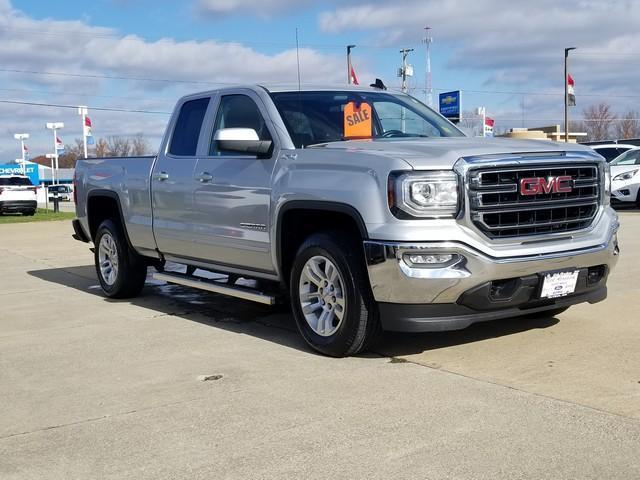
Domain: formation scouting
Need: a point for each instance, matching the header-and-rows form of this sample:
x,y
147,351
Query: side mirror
x,y
241,140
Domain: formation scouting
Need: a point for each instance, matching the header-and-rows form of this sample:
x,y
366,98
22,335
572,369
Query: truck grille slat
x,y
499,209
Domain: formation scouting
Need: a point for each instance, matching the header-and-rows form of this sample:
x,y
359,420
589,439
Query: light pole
x,y
83,111
22,137
349,66
566,93
55,126
405,70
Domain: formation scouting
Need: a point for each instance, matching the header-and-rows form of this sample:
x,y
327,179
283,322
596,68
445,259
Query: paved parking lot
x,y
92,388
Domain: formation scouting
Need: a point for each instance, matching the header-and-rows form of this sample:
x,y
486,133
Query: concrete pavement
x,y
93,388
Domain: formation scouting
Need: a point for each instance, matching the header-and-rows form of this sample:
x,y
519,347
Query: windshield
x,y
630,157
15,181
59,189
332,116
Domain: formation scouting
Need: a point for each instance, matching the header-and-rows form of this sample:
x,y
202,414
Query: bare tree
x,y
628,126
102,149
118,146
71,154
139,145
598,121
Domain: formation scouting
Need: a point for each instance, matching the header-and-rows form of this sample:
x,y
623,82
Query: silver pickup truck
x,y
365,208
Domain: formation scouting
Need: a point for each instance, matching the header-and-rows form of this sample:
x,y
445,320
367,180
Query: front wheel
x,y
331,298
121,271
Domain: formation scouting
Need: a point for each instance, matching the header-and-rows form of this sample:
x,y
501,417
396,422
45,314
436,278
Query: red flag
x,y
87,122
571,94
354,78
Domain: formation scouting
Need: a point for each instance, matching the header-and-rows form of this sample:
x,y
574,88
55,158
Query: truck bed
x,y
128,180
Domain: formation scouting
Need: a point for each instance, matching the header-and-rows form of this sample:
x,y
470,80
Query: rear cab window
x,y
184,141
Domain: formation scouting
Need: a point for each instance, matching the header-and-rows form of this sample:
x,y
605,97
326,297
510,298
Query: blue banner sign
x,y
450,104
15,169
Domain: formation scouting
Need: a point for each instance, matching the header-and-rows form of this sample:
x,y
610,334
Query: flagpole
x,y
82,110
349,66
566,93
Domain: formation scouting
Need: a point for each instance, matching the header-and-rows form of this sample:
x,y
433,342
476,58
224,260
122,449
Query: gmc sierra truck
x,y
366,209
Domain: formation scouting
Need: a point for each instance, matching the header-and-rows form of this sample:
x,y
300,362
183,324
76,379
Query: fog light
x,y
430,259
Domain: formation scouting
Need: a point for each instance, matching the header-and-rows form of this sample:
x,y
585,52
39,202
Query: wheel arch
x,y
311,216
102,205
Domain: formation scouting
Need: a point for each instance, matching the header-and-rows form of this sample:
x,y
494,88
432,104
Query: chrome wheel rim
x,y
322,295
108,259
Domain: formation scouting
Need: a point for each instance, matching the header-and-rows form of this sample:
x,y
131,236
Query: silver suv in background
x,y
365,209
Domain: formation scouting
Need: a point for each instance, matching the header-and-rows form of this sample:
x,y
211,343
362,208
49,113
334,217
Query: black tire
x,y
29,213
360,326
131,270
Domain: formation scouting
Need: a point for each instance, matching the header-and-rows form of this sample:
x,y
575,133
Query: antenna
x,y
298,57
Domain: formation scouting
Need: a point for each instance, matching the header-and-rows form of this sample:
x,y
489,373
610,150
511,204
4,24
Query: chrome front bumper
x,y
396,283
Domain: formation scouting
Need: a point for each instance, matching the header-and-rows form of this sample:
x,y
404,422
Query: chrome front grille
x,y
499,209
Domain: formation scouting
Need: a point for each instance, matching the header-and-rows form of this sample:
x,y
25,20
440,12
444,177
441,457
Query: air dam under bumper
x,y
476,287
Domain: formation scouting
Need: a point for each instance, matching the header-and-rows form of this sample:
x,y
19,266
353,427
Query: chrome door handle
x,y
204,177
162,176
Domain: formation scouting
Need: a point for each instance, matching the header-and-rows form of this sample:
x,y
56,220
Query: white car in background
x,y
625,178
612,150
17,195
64,192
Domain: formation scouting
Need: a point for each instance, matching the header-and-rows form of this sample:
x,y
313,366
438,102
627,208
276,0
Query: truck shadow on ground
x,y
274,324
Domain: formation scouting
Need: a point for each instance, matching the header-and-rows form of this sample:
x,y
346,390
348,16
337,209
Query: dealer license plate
x,y
559,284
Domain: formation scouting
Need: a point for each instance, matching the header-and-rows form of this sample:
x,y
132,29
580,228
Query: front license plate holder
x,y
559,284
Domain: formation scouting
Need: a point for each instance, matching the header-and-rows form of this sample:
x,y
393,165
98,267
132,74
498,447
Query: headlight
x,y
425,194
626,175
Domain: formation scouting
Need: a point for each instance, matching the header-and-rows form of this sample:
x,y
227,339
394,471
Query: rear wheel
x,y
29,213
331,298
120,270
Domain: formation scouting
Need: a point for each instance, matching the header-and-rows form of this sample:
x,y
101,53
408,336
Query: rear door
x,y
233,191
172,178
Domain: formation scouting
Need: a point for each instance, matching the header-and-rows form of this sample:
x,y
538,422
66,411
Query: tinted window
x,y
187,130
238,111
15,181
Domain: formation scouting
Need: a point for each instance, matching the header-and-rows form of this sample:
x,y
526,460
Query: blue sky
x,y
492,49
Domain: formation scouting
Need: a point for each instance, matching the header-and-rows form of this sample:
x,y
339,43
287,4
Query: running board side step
x,y
213,286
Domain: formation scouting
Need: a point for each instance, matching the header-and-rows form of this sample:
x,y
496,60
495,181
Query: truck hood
x,y
444,152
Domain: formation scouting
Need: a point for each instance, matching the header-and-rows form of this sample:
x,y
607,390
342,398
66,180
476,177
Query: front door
x,y
233,191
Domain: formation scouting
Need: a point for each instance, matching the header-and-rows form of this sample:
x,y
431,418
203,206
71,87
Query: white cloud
x,y
509,42
265,8
76,46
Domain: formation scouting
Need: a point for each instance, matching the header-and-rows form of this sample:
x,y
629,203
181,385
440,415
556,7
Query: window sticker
x,y
357,120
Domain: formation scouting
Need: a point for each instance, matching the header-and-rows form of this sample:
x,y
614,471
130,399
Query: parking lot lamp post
x,y
55,126
22,137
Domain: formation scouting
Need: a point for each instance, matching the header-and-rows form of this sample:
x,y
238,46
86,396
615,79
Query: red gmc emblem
x,y
538,185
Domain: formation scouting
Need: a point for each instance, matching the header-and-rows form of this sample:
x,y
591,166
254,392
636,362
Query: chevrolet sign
x,y
450,105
